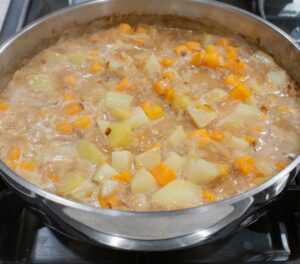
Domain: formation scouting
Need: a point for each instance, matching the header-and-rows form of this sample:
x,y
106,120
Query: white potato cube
x,y
239,144
201,116
152,64
104,172
175,162
245,111
103,126
177,194
115,100
143,182
201,171
138,118
109,187
149,159
177,138
215,96
121,160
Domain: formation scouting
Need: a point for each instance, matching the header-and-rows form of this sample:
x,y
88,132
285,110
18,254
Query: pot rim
x,y
88,208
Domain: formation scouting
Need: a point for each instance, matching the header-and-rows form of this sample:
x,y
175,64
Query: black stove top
x,y
274,238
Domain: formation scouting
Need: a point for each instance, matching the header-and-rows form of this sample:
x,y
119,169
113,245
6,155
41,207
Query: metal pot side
x,y
149,231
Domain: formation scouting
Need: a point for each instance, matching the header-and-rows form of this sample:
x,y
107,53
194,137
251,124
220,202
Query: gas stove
x,y
274,238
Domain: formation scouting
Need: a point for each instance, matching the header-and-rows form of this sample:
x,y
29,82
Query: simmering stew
x,y
149,118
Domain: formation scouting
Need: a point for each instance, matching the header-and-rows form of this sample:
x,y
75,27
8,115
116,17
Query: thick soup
x,y
149,118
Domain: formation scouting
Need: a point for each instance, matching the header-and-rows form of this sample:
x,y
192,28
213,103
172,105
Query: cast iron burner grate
x,y
274,238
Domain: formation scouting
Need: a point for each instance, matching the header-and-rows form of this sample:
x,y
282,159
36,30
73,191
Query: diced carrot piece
x,y
73,108
193,45
3,106
154,112
240,92
281,165
54,178
163,174
123,176
224,170
146,104
68,97
109,202
232,80
250,139
14,153
125,28
284,108
181,50
42,113
237,66
224,42
83,123
215,135
123,85
201,135
169,75
258,128
94,38
211,60
11,164
140,41
169,93
94,67
167,62
197,58
141,30
208,196
64,128
159,87
231,53
70,79
246,165
95,53
28,165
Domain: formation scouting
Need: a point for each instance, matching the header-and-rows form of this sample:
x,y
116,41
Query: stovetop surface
x,y
274,238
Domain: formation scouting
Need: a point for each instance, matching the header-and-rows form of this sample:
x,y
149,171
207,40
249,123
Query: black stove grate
x,y
274,238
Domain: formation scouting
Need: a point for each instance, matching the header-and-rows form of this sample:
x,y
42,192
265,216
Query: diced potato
x,y
177,194
88,151
104,172
143,182
121,113
115,100
292,139
177,138
39,83
152,64
238,143
78,58
114,65
108,187
180,102
82,194
103,126
201,117
175,162
149,159
52,58
120,135
121,160
138,118
262,57
71,181
201,171
245,112
278,77
215,96
256,87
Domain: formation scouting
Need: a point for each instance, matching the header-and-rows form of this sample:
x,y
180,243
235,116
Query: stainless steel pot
x,y
150,230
